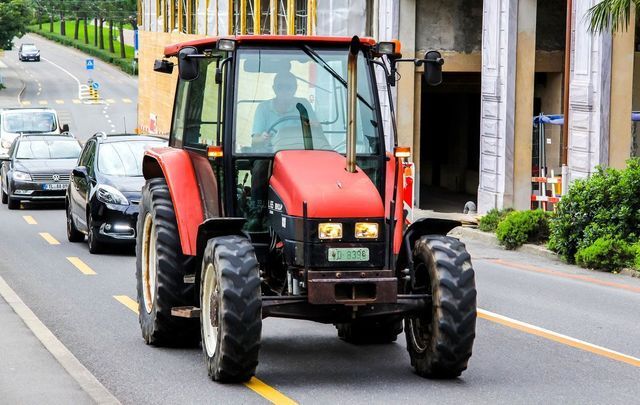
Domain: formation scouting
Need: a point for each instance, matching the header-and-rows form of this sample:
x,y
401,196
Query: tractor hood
x,y
320,179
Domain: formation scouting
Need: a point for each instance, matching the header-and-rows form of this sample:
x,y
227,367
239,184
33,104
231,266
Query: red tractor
x,y
277,197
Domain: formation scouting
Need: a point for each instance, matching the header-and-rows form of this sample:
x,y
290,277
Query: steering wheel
x,y
272,129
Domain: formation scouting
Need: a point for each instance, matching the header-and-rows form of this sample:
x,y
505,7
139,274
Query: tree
x,y
611,15
15,15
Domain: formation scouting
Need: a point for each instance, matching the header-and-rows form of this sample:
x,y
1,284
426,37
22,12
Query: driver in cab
x,y
279,112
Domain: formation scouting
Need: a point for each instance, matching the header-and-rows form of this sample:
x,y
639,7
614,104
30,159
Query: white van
x,y
17,121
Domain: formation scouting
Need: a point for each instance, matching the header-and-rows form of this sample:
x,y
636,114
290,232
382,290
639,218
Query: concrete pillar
x,y
499,38
590,95
621,96
525,85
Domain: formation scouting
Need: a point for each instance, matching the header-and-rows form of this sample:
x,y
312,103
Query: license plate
x,y
348,254
54,186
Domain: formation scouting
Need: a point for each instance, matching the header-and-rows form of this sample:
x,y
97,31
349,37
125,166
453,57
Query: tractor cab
x,y
277,196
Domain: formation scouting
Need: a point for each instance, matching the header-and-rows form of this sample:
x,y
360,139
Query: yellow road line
x,y
269,393
59,101
26,102
43,102
264,390
82,266
127,302
126,100
110,101
30,220
557,337
76,101
47,236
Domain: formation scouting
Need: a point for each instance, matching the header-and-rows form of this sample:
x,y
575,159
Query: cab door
x,y
80,184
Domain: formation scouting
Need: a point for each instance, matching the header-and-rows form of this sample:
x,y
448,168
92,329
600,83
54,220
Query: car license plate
x,y
348,254
54,186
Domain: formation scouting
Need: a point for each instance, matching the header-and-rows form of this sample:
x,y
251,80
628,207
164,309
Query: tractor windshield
x,y
297,99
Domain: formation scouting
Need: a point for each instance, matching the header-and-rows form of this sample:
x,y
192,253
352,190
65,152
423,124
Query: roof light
x,y
388,47
214,152
226,44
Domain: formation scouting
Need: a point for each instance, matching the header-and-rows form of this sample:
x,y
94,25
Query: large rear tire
x,y
231,309
363,332
440,340
160,271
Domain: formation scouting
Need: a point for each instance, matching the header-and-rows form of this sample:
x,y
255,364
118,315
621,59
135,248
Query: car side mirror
x,y
65,127
433,69
188,66
80,171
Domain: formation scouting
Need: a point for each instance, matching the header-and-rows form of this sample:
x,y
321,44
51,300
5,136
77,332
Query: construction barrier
x,y
543,199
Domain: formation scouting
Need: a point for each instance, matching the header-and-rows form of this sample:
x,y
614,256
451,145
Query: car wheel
x,y
5,197
94,245
38,60
73,234
12,203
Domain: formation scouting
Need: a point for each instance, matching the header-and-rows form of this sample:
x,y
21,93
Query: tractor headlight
x,y
366,230
330,230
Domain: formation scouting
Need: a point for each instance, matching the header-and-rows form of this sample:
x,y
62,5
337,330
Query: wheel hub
x,y
149,263
210,310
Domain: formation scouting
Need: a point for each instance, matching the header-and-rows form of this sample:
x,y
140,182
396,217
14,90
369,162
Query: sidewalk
x,y
31,373
12,82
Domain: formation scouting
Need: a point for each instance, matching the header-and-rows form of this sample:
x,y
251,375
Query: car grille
x,y
48,177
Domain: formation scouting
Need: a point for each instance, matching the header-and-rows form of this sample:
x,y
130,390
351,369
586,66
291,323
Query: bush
x,y
489,222
520,227
606,205
606,254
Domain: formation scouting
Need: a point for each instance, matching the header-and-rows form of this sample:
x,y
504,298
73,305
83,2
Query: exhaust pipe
x,y
352,95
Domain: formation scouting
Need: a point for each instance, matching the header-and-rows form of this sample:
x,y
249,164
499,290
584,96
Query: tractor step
x,y
186,312
189,279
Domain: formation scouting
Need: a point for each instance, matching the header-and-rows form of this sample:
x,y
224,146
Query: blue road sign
x,y
95,85
89,64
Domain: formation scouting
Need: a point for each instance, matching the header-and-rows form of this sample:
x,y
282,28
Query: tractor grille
x,y
49,177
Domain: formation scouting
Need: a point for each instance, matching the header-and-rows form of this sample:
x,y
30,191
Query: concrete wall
x,y
449,25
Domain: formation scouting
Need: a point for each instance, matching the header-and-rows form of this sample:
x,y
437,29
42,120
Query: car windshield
x,y
124,158
58,149
29,122
29,48
277,90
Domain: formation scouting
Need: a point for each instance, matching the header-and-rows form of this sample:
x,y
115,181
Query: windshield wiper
x,y
318,59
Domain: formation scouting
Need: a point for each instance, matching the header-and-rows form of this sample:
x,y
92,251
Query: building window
x,y
281,17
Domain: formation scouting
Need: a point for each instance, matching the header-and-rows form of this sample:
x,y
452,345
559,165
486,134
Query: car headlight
x,y
330,230
21,176
366,230
110,195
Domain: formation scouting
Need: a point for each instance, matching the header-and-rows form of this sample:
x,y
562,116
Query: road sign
x,y
89,64
135,43
95,85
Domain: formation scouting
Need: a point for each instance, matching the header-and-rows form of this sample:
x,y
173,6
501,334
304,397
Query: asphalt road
x,y
54,81
536,362
308,363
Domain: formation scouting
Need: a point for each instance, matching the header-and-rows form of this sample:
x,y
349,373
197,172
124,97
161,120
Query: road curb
x,y
87,381
486,237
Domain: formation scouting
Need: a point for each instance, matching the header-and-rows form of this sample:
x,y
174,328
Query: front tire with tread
x,y
230,299
441,340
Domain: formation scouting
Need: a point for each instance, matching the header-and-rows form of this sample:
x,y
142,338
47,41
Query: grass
x,y
91,31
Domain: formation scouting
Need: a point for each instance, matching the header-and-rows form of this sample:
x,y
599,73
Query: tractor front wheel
x,y
378,331
440,340
160,271
231,309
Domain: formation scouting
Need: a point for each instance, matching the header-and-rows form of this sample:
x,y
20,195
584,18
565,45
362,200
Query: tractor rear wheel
x,y
440,340
160,271
378,331
231,309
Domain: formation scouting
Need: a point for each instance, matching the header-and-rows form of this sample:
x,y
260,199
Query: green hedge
x,y
102,54
606,254
489,222
520,227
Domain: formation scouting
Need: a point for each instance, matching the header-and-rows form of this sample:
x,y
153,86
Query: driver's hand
x,y
261,139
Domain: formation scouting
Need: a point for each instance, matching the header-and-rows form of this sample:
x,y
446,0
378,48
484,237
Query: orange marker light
x,y
402,152
214,152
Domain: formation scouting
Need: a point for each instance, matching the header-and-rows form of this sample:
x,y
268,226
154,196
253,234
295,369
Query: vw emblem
x,y
56,177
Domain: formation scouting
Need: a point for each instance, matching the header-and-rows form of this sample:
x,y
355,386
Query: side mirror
x,y
65,127
187,66
80,171
433,69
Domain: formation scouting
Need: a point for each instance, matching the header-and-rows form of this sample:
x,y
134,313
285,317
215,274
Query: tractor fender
x,y
177,169
214,227
419,228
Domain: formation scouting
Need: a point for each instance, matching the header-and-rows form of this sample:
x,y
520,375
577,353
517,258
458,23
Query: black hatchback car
x,y
37,168
105,189
28,52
